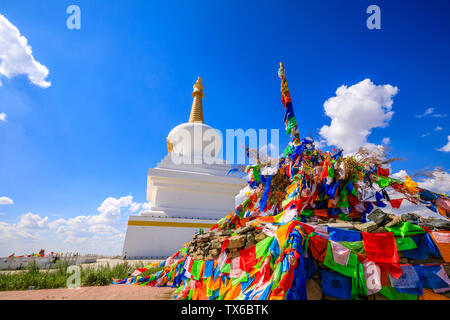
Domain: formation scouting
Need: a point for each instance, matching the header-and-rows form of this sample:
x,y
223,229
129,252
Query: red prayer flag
x,y
380,247
189,262
382,172
395,203
393,268
248,258
318,246
225,244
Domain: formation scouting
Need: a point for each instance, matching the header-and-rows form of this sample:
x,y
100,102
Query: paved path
x,y
111,292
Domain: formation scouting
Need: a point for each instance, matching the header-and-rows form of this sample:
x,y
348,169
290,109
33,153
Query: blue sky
x,y
122,82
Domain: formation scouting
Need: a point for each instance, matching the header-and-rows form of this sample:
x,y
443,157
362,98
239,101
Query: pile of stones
x,y
207,246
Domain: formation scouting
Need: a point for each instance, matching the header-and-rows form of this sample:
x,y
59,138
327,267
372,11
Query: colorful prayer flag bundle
x,y
310,220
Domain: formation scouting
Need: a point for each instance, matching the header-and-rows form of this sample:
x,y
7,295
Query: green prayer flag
x,y
262,247
236,281
195,271
221,221
331,172
178,290
349,270
406,243
344,217
356,246
287,151
405,229
362,286
291,124
226,268
307,213
256,173
383,182
392,294
344,191
276,276
343,202
285,202
355,288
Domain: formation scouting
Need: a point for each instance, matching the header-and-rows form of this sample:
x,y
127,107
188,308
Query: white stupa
x,y
188,190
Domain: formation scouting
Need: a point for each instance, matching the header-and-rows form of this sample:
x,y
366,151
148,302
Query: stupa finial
x,y
197,105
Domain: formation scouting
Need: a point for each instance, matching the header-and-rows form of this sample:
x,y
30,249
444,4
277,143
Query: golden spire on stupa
x,y
197,105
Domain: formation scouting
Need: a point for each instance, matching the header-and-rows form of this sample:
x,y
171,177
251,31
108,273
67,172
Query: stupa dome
x,y
195,137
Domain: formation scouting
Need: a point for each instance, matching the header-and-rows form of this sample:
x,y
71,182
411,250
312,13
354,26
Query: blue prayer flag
x,y
336,285
339,235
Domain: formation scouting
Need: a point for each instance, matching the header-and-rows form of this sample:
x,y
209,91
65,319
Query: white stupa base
x,y
158,238
183,198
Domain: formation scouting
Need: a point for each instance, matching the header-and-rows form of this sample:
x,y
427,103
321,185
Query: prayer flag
x,y
406,243
263,246
372,276
336,285
405,228
248,258
411,280
208,269
395,203
442,240
348,270
339,235
380,247
435,277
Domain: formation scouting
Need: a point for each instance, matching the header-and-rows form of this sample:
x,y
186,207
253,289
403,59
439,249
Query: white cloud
x,y
430,111
25,230
427,112
408,207
33,222
101,233
146,206
386,140
438,115
439,181
446,148
134,207
3,117
16,56
438,128
399,175
355,111
6,200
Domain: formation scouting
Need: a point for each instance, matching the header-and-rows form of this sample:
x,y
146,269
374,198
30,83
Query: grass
x,y
34,278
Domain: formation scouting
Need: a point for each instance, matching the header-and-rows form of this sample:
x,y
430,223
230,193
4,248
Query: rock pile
x,y
207,246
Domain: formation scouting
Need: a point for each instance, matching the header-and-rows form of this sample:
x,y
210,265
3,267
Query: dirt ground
x,y
111,292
